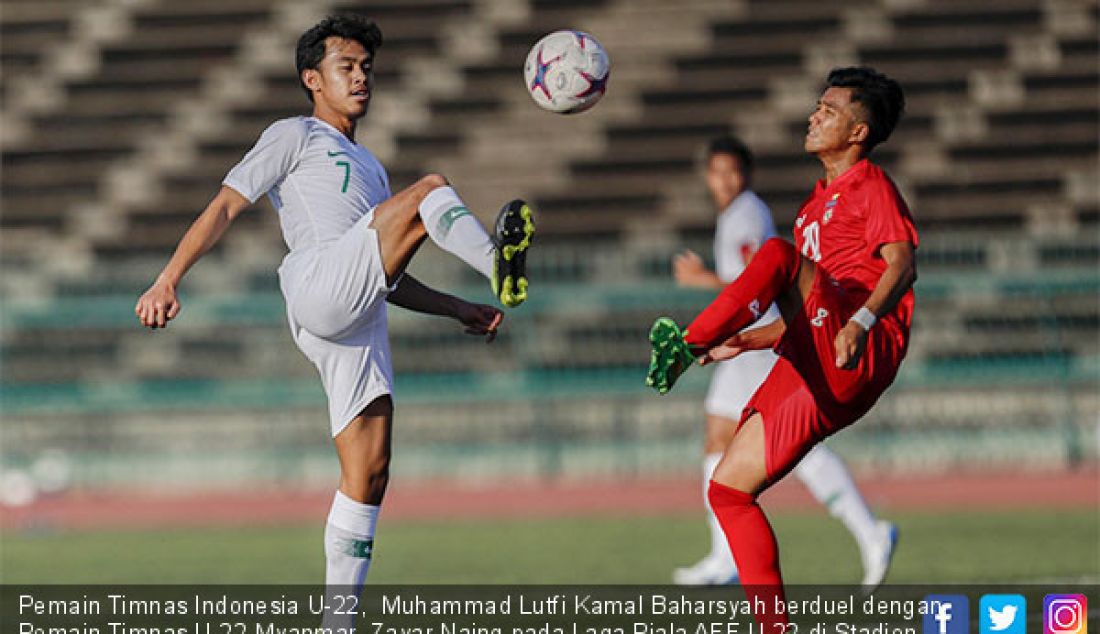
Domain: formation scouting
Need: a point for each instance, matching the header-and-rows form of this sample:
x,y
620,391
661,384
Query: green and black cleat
x,y
512,237
671,355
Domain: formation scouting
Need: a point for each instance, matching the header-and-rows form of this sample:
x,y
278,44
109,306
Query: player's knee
x,y
378,476
368,476
720,496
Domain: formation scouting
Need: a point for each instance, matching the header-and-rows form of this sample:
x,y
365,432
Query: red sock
x,y
755,551
746,299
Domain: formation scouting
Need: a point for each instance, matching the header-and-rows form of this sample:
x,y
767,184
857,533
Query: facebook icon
x,y
946,614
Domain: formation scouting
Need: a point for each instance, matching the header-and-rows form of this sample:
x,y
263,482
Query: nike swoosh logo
x,y
331,153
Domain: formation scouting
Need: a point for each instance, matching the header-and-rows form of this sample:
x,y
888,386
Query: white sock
x,y
451,226
719,545
349,546
828,479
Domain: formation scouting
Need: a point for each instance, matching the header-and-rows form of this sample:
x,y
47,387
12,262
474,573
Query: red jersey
x,y
841,227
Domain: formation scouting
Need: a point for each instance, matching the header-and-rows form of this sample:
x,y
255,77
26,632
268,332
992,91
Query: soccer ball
x,y
566,72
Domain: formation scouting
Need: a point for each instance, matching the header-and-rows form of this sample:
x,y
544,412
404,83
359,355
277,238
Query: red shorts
x,y
806,397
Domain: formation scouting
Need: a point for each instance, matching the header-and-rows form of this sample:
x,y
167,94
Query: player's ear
x,y
860,132
311,77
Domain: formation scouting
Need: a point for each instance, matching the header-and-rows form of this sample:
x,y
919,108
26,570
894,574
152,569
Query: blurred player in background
x,y
744,224
845,292
350,240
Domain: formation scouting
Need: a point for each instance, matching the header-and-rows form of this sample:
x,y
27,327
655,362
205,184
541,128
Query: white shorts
x,y
735,381
336,305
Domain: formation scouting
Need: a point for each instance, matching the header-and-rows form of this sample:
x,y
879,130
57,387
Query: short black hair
x,y
350,26
880,97
731,145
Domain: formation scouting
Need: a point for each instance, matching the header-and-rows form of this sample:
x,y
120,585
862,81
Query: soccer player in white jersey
x,y
744,223
349,242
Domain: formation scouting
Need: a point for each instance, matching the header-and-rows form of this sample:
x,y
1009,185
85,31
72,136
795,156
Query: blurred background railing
x,y
121,117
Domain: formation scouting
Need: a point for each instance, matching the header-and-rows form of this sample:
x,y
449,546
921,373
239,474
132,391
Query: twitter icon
x,y
1002,614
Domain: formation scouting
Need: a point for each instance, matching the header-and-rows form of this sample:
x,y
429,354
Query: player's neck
x,y
342,123
836,163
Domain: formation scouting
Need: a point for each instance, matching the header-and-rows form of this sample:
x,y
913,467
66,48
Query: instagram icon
x,y
1065,614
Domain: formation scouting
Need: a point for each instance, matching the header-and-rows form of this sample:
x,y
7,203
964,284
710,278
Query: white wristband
x,y
864,317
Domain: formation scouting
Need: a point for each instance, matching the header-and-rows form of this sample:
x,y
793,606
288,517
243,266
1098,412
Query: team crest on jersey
x,y
829,208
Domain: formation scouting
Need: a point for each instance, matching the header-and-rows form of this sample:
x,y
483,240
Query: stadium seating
x,y
997,156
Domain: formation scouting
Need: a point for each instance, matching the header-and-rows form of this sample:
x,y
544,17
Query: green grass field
x,y
979,547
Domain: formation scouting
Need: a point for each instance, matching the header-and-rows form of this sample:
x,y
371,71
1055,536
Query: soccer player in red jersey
x,y
844,290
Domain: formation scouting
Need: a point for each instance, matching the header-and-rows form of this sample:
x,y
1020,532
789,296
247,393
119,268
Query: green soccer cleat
x,y
671,356
514,228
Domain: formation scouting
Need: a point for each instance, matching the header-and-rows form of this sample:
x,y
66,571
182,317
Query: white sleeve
x,y
275,154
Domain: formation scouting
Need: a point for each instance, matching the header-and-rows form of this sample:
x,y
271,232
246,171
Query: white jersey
x,y
325,188
320,182
743,227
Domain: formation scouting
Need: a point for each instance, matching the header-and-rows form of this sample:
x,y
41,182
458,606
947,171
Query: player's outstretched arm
x,y
160,304
899,276
479,319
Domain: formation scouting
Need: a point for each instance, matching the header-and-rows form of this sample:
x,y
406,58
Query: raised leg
x,y
776,273
400,228
431,208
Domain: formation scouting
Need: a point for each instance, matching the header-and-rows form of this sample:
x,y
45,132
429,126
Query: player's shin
x,y
452,226
719,547
349,546
772,269
754,548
